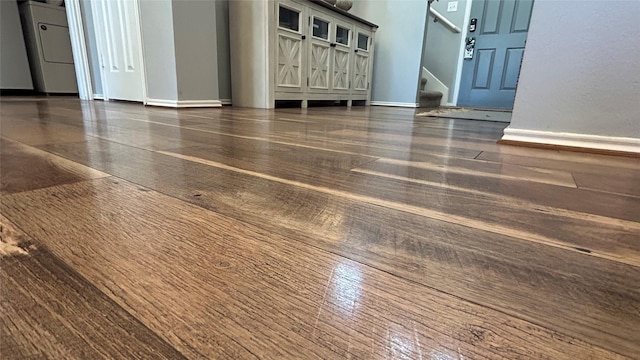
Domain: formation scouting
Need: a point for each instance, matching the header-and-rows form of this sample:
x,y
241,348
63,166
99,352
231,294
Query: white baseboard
x,y
395,104
161,102
225,101
98,97
575,140
183,103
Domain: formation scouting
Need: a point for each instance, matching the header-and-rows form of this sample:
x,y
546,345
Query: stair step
x,y
430,99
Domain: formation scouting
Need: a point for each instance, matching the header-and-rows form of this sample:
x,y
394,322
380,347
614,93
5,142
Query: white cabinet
x,y
290,55
341,58
298,50
319,53
362,61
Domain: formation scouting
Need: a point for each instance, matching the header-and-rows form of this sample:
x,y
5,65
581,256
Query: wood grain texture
x,y
488,169
594,172
236,291
33,133
609,206
25,168
332,232
49,311
406,240
614,183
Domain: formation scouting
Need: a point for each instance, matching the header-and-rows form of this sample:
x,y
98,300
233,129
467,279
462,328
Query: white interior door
x,y
117,28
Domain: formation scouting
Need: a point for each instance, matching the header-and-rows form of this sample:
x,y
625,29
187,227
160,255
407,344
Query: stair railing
x,y
439,17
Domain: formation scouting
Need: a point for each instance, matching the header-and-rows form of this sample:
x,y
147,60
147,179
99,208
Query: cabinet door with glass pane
x,y
319,52
290,52
363,47
341,57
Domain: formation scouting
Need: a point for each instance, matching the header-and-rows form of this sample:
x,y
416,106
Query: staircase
x,y
429,99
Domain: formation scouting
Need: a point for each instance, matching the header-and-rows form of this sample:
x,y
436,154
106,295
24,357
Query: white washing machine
x,y
46,33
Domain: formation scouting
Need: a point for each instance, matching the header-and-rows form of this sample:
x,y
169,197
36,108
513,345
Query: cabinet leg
x,y
305,104
349,103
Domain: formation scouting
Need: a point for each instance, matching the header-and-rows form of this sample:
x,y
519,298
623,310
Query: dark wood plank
x,y
544,224
166,126
296,215
59,129
379,223
27,132
627,184
596,172
49,311
25,168
276,297
513,192
574,162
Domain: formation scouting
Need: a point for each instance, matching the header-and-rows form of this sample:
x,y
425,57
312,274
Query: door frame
x,y
81,52
465,32
79,49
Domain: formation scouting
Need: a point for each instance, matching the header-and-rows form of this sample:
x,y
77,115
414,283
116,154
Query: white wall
x,y
156,18
442,45
14,64
581,71
247,26
194,31
224,66
398,51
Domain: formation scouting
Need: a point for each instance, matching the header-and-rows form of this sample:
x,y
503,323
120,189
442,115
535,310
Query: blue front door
x,y
489,78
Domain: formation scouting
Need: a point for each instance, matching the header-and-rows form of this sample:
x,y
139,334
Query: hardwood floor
x,y
141,232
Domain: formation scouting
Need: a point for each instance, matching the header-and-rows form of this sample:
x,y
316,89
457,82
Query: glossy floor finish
x,y
369,233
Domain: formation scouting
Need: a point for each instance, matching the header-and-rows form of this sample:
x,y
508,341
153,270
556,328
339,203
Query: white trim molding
x,y
613,143
184,103
394,104
463,43
225,101
79,49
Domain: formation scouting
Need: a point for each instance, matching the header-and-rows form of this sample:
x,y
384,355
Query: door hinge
x,y
368,85
307,81
349,87
309,20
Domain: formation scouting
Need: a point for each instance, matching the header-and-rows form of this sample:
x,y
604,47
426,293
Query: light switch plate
x,y
452,6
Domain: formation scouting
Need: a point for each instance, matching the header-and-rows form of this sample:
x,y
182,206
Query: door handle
x,y
472,25
332,45
43,27
469,47
304,37
356,50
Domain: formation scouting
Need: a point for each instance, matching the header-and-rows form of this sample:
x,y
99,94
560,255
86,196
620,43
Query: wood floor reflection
x,y
333,233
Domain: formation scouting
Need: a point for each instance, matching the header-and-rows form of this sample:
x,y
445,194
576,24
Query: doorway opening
x,y
473,50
